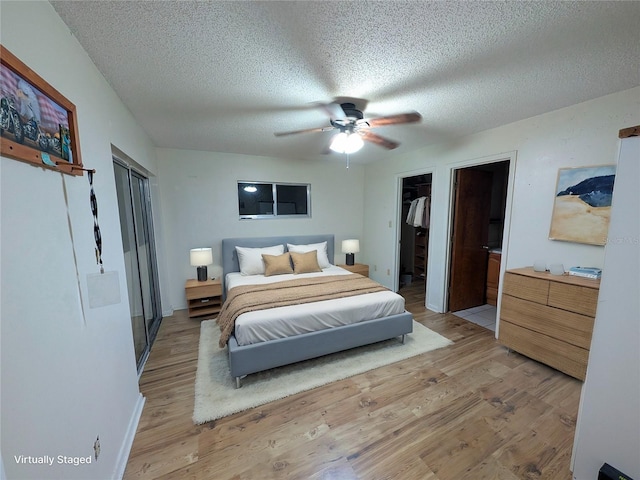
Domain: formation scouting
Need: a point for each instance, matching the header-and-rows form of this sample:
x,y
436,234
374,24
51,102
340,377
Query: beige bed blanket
x,y
248,298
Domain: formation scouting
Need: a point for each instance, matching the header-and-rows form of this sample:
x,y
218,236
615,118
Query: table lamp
x,y
350,247
201,257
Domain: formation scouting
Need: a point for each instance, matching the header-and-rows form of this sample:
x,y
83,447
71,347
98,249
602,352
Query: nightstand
x,y
203,298
360,268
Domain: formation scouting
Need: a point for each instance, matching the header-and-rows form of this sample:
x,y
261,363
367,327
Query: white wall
x,y
608,428
580,135
199,201
68,371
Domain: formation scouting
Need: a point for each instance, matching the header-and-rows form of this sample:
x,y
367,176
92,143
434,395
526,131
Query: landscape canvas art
x,y
582,205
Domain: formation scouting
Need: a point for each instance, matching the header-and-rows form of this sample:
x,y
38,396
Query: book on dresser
x,y
586,272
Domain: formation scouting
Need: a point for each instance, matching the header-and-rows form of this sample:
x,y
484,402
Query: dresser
x,y
549,318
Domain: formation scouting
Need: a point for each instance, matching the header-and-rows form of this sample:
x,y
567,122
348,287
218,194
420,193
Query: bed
x,y
329,331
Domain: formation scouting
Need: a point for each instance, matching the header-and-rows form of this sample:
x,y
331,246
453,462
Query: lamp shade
x,y
201,257
350,246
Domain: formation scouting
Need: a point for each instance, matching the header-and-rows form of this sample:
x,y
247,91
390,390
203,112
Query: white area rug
x,y
217,397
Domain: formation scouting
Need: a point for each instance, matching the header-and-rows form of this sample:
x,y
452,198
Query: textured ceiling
x,y
224,76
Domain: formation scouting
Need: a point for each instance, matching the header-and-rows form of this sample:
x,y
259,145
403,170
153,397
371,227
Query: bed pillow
x,y
250,259
321,248
277,264
305,262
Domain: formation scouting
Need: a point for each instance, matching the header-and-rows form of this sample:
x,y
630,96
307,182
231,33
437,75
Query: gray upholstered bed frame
x,y
244,360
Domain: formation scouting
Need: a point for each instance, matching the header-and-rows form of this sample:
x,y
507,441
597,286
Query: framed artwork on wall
x,y
582,205
38,125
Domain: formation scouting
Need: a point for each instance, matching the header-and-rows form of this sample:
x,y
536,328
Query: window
x,y
270,200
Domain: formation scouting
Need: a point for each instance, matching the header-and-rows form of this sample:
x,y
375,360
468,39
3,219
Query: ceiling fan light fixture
x,y
346,143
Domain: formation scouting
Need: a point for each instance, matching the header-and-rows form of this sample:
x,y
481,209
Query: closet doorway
x,y
414,234
136,226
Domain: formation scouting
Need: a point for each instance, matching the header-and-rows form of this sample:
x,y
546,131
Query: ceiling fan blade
x,y
409,117
378,140
306,130
334,110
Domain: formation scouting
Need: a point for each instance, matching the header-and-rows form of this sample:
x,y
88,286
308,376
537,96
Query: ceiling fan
x,y
353,129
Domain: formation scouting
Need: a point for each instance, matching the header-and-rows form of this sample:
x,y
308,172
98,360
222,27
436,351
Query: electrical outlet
x,y
388,271
96,447
375,268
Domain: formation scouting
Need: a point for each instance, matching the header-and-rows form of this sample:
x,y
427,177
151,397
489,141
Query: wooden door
x,y
472,207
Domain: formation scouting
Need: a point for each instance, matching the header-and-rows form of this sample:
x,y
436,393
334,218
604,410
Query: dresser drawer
x,y
568,327
574,298
202,291
560,355
529,288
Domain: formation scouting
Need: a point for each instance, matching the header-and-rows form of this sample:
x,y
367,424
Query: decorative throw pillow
x,y
321,248
305,262
250,259
277,264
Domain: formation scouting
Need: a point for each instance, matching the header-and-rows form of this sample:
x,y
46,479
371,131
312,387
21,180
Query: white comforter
x,y
281,322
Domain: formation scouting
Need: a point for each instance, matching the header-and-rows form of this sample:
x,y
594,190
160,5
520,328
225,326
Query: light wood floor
x,y
468,411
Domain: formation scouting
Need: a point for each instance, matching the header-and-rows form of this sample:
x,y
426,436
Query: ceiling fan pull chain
x,y
347,160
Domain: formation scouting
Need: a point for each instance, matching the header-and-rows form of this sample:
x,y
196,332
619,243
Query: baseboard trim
x,y
125,449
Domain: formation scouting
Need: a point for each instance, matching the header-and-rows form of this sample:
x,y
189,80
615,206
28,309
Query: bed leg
x,y
403,339
238,382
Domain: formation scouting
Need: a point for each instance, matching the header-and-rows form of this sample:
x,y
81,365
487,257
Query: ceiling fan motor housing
x,y
352,115
351,111
351,121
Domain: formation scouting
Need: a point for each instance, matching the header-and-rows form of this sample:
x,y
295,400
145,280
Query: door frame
x,y
398,236
501,157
